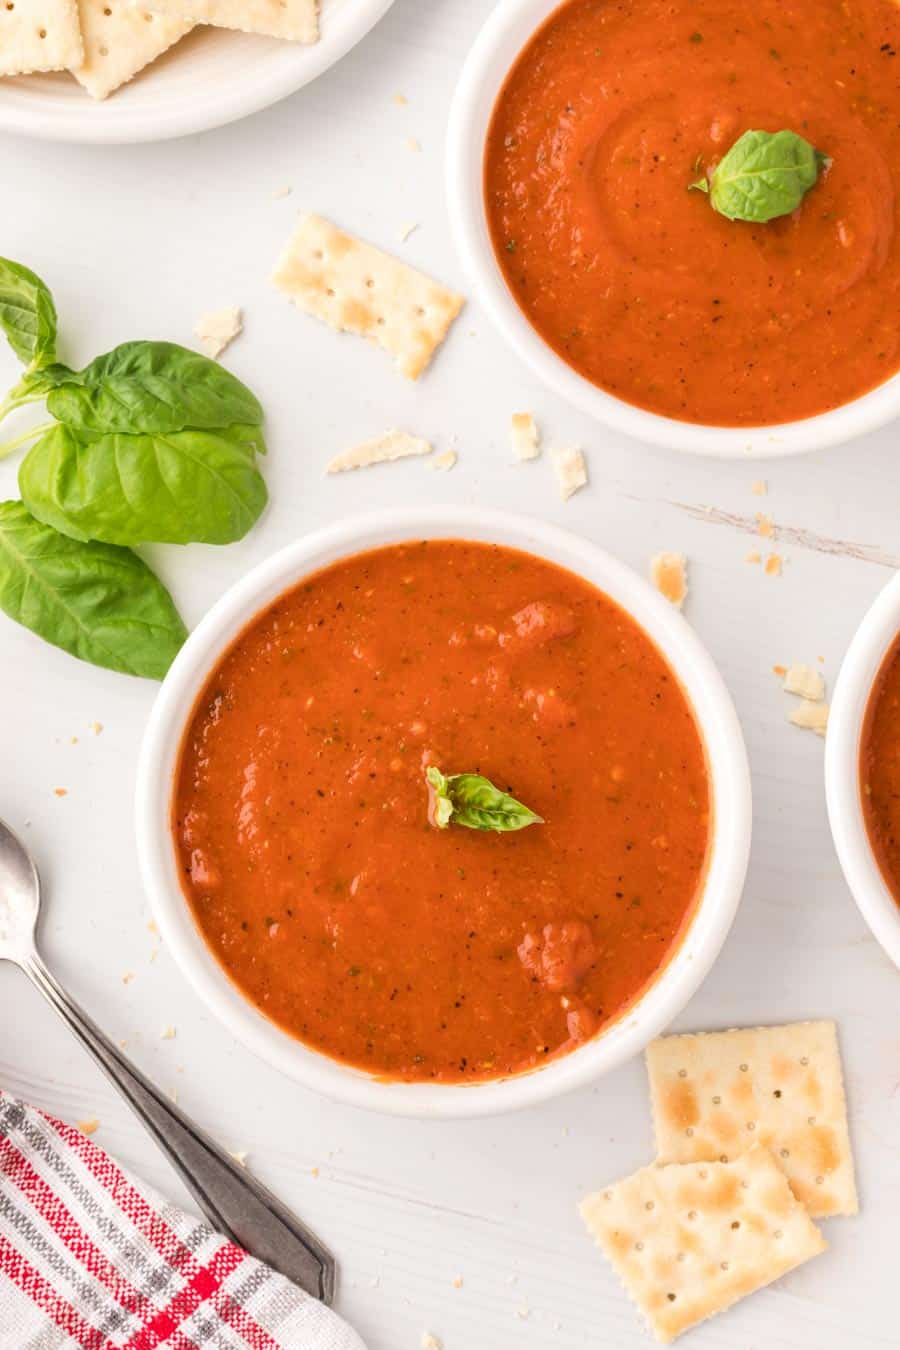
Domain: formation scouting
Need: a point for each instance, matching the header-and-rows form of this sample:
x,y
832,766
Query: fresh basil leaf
x,y
153,387
470,800
764,175
188,486
250,439
27,314
101,604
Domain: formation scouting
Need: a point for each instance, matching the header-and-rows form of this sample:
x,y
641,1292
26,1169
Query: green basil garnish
x,y
470,800
176,488
99,603
764,175
149,443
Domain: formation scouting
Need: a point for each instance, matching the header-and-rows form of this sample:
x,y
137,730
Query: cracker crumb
x,y
96,728
570,469
239,1156
382,450
167,1034
772,566
217,329
780,670
73,740
128,977
401,100
314,1171
89,1126
413,144
281,192
431,1342
668,572
805,682
152,928
526,441
754,556
444,461
810,717
60,792
760,488
523,1314
765,526
457,1282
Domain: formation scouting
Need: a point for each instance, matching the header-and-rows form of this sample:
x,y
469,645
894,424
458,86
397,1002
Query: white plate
x,y
211,77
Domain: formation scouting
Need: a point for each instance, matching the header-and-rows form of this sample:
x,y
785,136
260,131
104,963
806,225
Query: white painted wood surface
x,y
140,242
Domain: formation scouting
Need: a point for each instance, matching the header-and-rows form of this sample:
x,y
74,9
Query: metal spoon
x,y
234,1202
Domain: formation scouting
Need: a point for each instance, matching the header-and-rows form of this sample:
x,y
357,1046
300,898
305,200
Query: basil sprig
x,y
764,175
470,800
150,442
100,603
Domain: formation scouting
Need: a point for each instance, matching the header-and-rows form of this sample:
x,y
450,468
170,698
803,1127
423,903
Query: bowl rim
x,y
869,647
505,32
727,762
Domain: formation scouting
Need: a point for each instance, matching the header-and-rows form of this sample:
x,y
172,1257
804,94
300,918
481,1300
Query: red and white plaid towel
x,y
93,1259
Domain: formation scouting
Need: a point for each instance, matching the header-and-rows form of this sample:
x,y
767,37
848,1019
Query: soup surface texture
x,y
301,822
609,114
879,769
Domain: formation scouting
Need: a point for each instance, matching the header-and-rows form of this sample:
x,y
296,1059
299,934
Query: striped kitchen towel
x,y
93,1259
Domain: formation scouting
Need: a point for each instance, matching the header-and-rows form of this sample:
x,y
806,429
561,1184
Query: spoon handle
x,y
234,1202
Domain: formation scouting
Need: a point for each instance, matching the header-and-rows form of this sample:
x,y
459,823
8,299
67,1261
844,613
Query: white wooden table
x,y
138,242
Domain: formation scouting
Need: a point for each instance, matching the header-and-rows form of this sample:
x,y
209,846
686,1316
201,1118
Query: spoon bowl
x,y
20,897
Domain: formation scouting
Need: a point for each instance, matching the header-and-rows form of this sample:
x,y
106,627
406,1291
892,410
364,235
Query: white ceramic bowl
x,y
211,77
506,32
730,790
861,665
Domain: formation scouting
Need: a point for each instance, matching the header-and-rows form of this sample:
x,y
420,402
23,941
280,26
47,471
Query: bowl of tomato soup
x,y
862,768
576,134
331,872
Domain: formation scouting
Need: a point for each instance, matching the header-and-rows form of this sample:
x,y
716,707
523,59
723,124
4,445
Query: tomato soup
x,y
301,811
605,119
879,769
